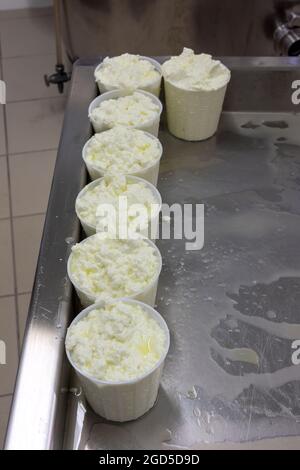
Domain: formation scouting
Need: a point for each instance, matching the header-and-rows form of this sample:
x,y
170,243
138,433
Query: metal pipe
x,y
58,36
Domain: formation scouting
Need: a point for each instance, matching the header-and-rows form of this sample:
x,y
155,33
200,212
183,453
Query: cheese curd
x,y
105,268
117,342
127,71
109,190
133,110
192,71
122,150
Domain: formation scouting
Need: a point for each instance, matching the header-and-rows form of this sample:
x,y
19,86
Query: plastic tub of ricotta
x,y
124,151
118,352
129,72
109,189
195,87
101,268
140,110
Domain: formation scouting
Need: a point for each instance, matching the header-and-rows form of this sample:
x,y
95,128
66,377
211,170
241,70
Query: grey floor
x,y
30,126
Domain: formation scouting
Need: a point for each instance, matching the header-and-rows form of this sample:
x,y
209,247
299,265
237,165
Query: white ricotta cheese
x,y
109,190
122,150
133,110
192,71
127,71
118,342
113,268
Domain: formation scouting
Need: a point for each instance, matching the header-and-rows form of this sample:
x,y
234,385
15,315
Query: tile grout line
x,y
43,98
21,216
26,55
6,395
46,54
4,296
11,154
11,225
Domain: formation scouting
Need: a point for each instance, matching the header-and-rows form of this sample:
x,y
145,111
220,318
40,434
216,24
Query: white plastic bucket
x,y
193,114
146,295
149,173
151,231
127,400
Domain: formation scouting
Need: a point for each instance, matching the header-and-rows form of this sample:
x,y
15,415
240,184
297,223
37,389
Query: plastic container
x,y
127,400
149,173
153,88
193,114
146,295
151,231
151,126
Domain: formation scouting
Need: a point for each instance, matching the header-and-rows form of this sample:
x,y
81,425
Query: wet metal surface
x,y
232,308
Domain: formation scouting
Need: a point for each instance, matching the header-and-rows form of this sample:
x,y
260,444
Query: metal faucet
x,y
60,76
287,32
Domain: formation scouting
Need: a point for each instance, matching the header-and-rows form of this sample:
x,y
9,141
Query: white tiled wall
x,y
30,126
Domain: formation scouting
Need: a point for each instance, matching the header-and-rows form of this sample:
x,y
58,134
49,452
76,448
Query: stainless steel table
x,y
232,308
